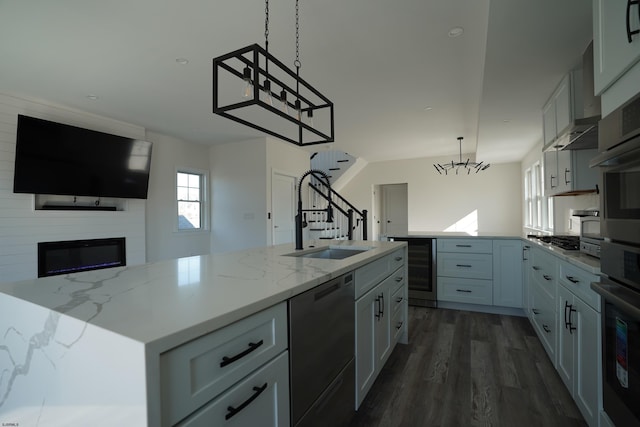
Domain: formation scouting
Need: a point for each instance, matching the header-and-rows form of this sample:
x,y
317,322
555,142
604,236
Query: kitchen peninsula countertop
x,y
84,348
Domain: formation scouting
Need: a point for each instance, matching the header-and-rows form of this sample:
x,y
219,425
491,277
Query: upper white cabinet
x,y
558,112
616,52
568,171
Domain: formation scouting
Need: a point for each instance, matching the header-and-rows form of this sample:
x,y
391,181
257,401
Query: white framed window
x,y
191,200
538,207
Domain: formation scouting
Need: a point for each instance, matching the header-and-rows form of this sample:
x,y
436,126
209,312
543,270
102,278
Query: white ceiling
x,y
381,62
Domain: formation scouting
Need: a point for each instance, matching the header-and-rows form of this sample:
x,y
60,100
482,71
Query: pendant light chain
x,y
297,62
266,31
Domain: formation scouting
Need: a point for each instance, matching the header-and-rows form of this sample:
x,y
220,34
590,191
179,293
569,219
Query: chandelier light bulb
x,y
268,96
298,110
310,117
247,90
285,104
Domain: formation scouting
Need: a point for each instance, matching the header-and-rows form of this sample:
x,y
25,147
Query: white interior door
x,y
395,217
282,208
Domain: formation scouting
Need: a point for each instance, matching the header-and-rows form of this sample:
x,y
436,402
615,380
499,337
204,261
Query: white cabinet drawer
x,y
472,291
397,297
368,276
579,281
196,372
397,325
472,266
476,246
545,268
261,399
544,320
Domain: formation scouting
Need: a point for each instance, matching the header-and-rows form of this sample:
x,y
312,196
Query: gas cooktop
x,y
567,243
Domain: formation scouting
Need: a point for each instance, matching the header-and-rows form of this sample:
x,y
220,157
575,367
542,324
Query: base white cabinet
x,y
195,377
579,343
543,275
380,321
507,273
480,271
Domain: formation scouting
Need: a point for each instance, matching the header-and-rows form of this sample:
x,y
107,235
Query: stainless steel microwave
x,y
619,163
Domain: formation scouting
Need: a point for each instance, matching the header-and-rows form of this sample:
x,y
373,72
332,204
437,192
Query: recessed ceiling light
x,y
182,61
92,97
456,31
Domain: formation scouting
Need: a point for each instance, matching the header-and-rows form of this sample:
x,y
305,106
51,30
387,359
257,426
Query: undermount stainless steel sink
x,y
332,252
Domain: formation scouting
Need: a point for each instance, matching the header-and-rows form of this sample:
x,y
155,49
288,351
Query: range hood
x,y
583,131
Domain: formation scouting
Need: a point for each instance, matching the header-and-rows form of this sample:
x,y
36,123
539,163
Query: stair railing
x,y
346,216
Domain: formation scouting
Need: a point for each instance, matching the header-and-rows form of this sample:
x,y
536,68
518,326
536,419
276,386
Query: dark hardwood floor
x,y
468,369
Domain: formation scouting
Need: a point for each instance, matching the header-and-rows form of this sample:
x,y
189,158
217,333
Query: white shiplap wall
x,y
22,227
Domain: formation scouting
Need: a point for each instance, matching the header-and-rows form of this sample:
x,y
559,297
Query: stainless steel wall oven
x,y
619,163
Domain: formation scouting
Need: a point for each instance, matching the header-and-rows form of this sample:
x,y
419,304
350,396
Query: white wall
x,y
163,240
241,189
437,202
238,195
22,227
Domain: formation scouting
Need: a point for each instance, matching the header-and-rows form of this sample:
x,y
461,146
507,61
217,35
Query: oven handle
x,y
618,295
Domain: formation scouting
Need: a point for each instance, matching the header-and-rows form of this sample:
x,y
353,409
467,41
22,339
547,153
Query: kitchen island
x,y
85,348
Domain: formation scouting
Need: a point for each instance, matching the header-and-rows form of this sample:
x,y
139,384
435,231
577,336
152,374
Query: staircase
x,y
333,163
348,223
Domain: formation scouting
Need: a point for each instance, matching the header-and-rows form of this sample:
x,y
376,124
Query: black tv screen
x,y
53,158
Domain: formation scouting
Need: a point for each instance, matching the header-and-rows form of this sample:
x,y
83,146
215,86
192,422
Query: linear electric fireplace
x,y
80,255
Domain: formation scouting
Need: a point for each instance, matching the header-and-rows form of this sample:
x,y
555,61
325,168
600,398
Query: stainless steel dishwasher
x,y
321,354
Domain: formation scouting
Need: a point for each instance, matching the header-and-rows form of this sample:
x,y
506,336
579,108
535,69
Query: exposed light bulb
x,y
268,97
310,117
247,90
298,110
285,104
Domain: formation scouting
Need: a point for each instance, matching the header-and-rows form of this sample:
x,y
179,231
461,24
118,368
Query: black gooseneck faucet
x,y
300,224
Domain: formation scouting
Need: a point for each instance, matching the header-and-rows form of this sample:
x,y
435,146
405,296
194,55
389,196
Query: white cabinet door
x,y
565,180
587,380
613,54
507,273
550,172
549,122
564,108
382,324
566,352
366,309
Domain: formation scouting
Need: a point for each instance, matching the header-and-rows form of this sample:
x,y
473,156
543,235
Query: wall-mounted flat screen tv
x,y
53,158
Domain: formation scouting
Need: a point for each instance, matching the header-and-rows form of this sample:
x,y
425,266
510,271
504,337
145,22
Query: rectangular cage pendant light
x,y
252,87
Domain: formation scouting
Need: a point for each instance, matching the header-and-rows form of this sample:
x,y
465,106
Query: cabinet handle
x,y
524,253
546,328
535,311
464,290
229,360
566,181
399,279
547,277
629,32
570,325
551,178
398,258
233,411
378,313
572,279
399,299
463,265
566,322
468,246
535,267
382,304
399,326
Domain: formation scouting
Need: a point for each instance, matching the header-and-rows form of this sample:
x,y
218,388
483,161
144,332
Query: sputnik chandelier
x,y
468,165
252,87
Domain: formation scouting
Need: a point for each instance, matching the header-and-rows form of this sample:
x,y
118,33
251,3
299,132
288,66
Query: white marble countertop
x,y
166,303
